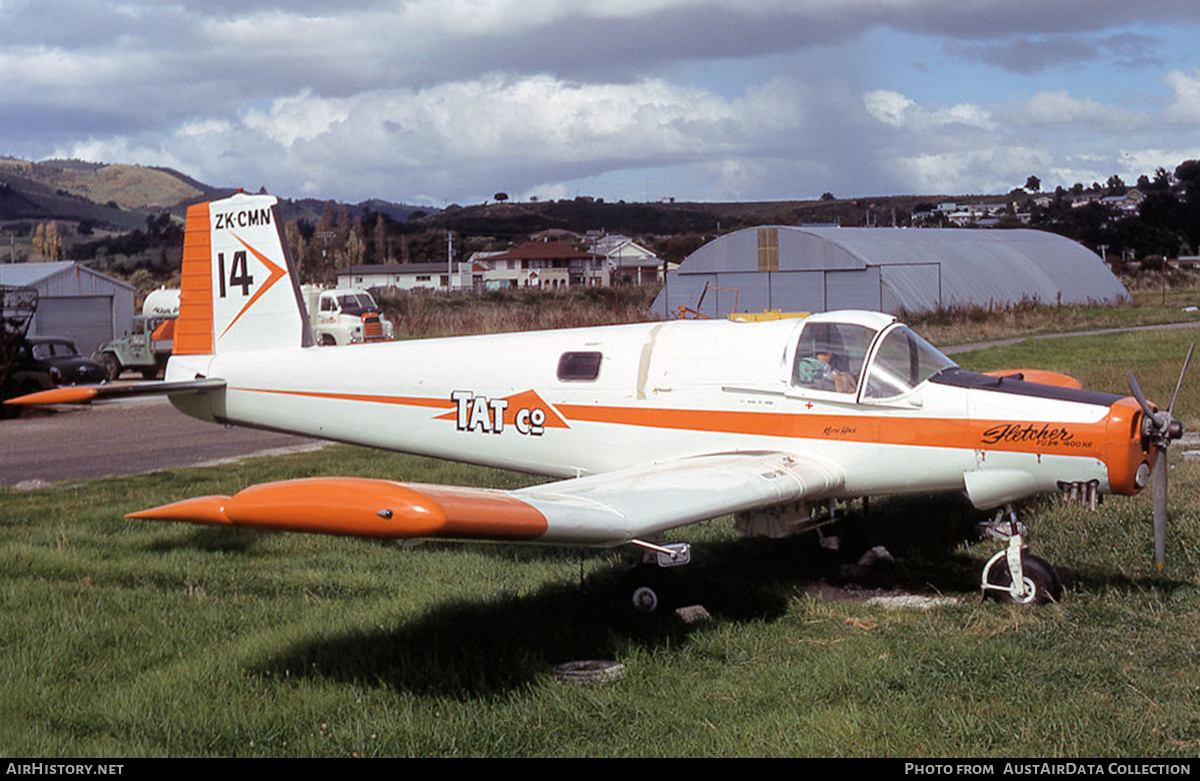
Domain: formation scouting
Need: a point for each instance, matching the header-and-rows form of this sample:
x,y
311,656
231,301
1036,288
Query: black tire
x,y
111,365
648,590
1039,575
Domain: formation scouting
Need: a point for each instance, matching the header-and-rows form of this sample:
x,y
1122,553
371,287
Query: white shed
x,y
74,301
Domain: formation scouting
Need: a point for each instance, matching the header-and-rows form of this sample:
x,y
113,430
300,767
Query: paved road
x,y
121,438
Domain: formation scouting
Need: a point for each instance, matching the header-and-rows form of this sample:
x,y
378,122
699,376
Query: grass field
x,y
125,639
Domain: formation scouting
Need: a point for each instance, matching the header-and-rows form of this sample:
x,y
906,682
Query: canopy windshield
x,y
902,362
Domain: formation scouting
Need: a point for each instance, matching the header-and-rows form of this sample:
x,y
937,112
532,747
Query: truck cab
x,y
345,316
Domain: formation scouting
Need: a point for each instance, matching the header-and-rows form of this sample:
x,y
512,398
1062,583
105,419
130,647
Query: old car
x,y
44,362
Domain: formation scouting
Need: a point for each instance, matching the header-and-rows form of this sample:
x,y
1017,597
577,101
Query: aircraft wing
x,y
78,394
604,509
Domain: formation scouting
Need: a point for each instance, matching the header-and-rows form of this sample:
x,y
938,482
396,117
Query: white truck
x,y
345,316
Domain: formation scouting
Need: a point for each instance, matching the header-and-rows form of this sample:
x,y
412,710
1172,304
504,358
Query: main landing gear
x,y
649,587
1014,574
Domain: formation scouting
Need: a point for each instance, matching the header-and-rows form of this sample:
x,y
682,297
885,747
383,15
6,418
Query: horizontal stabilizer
x,y
79,394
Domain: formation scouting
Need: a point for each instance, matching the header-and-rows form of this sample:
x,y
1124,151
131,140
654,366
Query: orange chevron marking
x,y
276,273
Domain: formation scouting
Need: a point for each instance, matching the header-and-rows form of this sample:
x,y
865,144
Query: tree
x,y
1033,184
1188,174
46,241
382,255
500,197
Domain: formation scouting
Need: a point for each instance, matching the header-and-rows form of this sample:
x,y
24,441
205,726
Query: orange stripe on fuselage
x,y
404,401
194,327
1083,439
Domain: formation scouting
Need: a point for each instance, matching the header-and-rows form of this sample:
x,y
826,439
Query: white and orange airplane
x,y
650,426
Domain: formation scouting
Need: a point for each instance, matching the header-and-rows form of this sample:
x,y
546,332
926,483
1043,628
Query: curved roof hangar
x,y
817,269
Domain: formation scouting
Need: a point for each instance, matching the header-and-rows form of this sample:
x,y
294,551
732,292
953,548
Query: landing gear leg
x,y
1014,574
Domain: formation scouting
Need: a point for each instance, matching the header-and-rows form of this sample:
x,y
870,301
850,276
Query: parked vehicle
x,y
45,362
151,337
345,316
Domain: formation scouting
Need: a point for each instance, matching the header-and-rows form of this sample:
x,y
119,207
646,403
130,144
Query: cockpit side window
x,y
902,362
830,356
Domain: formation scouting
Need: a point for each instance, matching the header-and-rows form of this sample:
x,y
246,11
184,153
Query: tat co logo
x,y
524,412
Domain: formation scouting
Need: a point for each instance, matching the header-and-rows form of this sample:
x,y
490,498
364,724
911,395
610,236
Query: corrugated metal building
x,y
74,301
819,269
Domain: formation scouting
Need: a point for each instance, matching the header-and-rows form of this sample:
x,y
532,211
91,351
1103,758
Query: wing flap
x,y
604,509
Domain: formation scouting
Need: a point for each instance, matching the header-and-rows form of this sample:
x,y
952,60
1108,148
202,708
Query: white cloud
x,y
467,135
1186,88
1059,108
890,108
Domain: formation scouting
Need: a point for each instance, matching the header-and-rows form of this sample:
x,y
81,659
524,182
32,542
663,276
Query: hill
x,y
665,218
130,187
122,196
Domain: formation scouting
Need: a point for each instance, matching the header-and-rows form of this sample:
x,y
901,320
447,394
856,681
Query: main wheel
x,y
648,590
111,365
1042,585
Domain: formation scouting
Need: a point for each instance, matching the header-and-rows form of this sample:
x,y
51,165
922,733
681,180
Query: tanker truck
x,y
148,345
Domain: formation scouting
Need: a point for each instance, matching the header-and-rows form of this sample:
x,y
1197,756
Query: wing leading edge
x,y
605,509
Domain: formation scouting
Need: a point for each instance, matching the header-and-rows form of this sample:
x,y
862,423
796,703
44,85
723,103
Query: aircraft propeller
x,y
1160,428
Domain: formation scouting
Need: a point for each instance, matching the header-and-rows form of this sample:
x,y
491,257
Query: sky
x,y
434,102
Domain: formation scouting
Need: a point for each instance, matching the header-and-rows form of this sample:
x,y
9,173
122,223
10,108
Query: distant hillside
x,y
121,196
669,218
128,186
398,212
26,199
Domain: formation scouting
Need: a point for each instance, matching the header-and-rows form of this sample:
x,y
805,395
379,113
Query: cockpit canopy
x,y
840,356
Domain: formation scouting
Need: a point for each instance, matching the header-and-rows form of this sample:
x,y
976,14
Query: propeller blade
x,y
1179,384
1159,487
1139,396
1162,428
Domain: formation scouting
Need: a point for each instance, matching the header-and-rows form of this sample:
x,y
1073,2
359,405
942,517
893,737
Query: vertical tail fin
x,y
239,285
